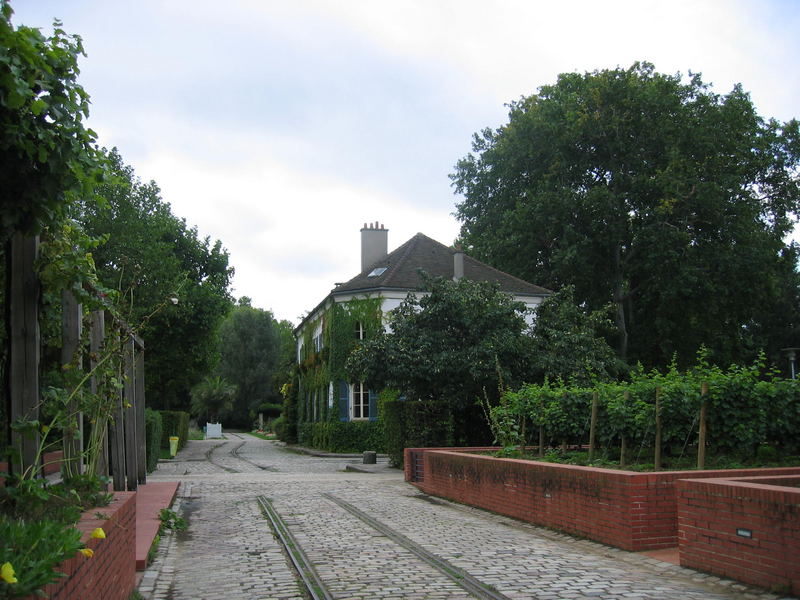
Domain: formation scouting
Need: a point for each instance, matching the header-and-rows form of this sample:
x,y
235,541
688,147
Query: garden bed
x,y
630,510
110,573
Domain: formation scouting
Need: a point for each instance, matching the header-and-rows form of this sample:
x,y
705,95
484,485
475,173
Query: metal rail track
x,y
456,574
234,452
312,582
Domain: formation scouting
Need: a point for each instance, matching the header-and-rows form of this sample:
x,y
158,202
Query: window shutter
x,y
344,401
373,406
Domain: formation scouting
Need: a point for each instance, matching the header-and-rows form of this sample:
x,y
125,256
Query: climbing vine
x,y
319,366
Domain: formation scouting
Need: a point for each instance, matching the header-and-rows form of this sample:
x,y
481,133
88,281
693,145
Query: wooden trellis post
x,y
116,434
141,445
96,338
593,425
23,344
129,410
657,459
622,444
701,436
73,441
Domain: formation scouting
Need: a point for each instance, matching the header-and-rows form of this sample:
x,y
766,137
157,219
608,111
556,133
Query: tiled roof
x,y
423,253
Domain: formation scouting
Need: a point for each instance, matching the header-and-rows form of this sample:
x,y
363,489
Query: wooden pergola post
x,y
116,433
71,326
141,442
129,398
97,333
23,346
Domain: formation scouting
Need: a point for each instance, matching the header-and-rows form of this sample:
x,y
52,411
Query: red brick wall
x,y
711,511
629,510
110,573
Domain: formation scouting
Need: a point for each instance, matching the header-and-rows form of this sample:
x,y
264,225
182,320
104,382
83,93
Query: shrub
x,y
174,422
414,424
342,436
153,428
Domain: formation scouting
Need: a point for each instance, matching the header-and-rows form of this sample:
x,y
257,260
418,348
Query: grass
x,y
196,434
264,436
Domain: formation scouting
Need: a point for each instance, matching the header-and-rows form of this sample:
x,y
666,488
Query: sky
x,y
281,127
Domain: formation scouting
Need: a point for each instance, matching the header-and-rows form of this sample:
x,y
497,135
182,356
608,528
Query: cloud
x,y
281,127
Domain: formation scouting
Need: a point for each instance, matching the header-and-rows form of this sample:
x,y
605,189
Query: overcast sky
x,y
281,127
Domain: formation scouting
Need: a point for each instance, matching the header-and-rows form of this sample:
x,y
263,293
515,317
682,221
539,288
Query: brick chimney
x,y
374,244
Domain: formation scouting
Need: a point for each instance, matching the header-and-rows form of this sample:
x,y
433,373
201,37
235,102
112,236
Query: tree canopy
x,y
152,256
212,397
256,353
653,193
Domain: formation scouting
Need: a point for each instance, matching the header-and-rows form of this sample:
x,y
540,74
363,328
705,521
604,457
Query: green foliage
x,y
212,397
153,432
34,549
340,337
747,408
321,367
46,153
652,193
175,423
37,527
339,436
256,353
568,344
152,256
170,521
286,425
415,424
449,347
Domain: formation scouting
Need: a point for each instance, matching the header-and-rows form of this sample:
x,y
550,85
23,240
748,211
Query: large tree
x,y
151,256
448,347
651,192
255,355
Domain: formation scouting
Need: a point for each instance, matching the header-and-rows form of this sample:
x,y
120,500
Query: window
x,y
377,272
359,405
317,342
359,330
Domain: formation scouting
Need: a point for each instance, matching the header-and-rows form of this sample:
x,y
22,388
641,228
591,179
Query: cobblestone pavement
x,y
229,552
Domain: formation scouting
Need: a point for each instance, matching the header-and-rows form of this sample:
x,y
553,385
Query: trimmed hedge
x,y
414,424
174,422
339,436
153,427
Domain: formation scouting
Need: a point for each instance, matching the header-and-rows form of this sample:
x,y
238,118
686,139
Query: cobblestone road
x,y
229,552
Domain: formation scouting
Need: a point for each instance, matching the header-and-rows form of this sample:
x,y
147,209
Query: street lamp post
x,y
791,354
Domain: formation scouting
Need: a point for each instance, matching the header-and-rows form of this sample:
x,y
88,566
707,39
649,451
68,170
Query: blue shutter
x,y
344,401
373,406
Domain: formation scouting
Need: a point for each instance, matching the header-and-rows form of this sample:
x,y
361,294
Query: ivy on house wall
x,y
340,334
319,367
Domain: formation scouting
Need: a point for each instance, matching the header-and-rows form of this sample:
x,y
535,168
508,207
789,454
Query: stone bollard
x,y
370,457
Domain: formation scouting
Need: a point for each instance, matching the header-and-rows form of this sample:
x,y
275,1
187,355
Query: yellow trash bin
x,y
173,445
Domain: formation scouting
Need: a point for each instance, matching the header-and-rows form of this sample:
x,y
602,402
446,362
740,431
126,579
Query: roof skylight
x,y
377,271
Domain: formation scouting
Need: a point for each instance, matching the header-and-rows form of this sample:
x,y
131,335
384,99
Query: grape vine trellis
x,y
731,411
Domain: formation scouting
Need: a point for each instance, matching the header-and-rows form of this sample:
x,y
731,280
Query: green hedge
x,y
414,424
340,436
175,422
153,428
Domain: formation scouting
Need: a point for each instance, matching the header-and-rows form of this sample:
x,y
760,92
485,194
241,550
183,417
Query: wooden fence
x,y
123,453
